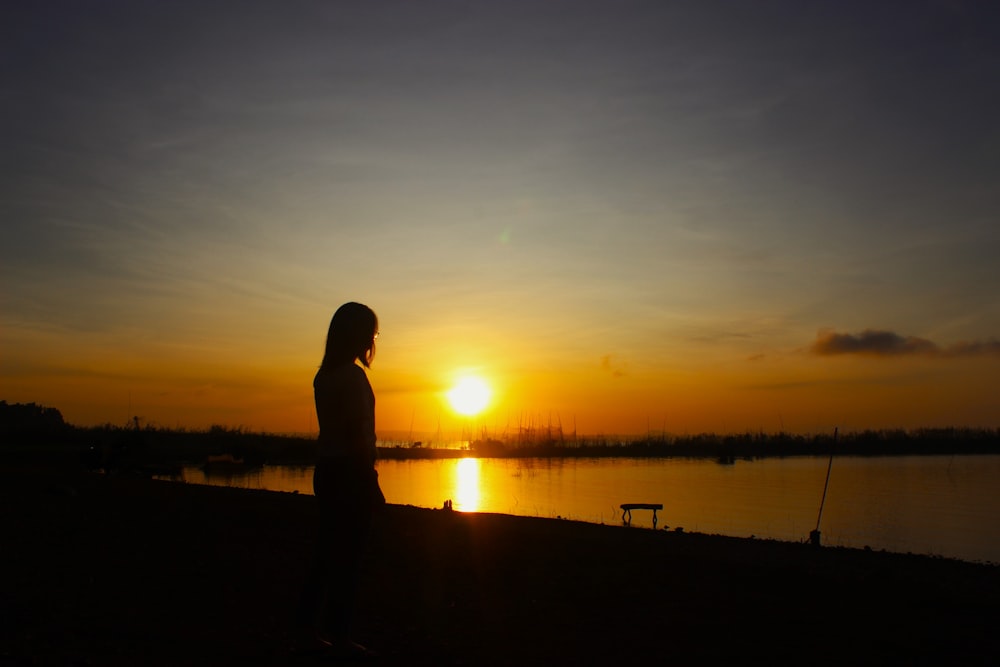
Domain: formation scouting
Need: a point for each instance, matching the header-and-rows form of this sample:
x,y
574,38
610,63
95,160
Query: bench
x,y
628,507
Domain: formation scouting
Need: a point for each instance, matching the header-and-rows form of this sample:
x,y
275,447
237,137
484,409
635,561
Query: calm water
x,y
940,505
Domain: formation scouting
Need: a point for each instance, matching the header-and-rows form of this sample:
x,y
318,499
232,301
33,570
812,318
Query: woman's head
x,y
352,334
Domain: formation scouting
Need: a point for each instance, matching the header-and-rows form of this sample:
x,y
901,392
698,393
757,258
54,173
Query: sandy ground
x,y
126,571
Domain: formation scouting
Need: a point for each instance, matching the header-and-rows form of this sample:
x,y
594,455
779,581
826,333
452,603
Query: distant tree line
x,y
31,424
18,418
727,448
40,433
759,444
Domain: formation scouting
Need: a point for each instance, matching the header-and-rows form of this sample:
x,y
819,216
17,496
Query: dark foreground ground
x,y
124,571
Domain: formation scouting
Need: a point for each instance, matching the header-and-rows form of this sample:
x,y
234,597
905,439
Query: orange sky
x,y
627,217
679,388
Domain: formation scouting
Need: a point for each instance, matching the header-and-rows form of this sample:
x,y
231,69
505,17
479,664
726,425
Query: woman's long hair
x,y
351,336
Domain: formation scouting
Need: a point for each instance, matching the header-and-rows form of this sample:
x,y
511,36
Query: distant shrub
x,y
28,418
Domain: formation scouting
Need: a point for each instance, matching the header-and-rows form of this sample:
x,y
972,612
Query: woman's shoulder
x,y
340,375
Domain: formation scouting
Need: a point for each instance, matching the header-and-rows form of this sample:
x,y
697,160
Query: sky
x,y
626,217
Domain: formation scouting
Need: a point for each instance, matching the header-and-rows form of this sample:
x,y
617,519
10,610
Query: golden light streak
x,y
467,492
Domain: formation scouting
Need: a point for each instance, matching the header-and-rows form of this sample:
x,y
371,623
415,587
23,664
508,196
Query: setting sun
x,y
469,395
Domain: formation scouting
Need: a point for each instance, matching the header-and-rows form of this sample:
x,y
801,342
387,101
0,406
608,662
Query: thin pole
x,y
829,467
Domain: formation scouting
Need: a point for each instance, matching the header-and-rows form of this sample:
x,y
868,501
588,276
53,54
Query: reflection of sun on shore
x,y
469,396
467,495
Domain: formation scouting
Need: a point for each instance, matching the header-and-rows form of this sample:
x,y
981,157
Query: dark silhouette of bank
x,y
123,453
20,418
121,570
33,433
345,481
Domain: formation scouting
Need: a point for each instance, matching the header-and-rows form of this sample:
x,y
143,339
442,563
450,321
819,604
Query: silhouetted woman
x,y
345,481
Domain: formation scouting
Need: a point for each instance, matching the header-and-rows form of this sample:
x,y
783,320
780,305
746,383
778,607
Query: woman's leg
x,y
345,513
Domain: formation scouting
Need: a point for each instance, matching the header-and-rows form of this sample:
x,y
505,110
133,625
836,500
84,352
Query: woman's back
x,y
345,408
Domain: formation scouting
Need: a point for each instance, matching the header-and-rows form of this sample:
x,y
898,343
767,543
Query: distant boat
x,y
223,461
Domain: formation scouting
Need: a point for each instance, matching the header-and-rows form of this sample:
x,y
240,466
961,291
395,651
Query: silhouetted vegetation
x,y
17,419
39,433
728,448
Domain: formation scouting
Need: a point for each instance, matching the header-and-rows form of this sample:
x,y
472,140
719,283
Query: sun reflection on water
x,y
467,491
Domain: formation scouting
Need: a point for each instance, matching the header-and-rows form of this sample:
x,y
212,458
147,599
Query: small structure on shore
x,y
628,507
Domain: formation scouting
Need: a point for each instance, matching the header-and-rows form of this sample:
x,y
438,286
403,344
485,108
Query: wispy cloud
x,y
613,366
876,343
974,348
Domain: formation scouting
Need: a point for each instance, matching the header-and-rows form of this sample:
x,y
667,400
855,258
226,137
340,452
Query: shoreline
x,y
121,570
154,446
408,482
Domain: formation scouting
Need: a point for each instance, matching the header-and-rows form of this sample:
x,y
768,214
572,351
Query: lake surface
x,y
939,505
